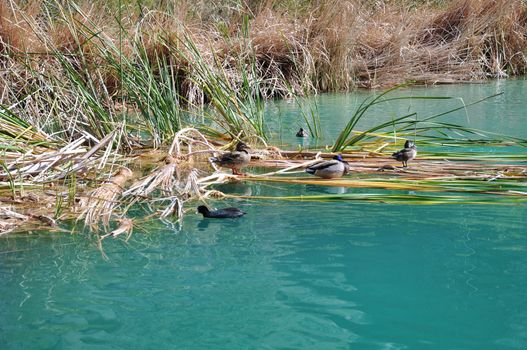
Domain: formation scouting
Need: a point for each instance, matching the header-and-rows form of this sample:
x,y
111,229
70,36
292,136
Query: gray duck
x,y
407,153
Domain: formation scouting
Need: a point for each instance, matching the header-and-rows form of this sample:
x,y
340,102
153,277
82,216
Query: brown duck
x,y
234,160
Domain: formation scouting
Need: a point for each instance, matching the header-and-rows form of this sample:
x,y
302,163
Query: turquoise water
x,y
288,275
504,114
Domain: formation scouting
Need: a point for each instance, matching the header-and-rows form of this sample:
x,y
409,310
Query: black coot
x,y
220,213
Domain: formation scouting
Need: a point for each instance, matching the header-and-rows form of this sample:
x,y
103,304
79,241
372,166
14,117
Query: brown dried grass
x,y
324,46
16,33
100,203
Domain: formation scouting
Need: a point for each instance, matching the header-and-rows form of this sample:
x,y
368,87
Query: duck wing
x,y
397,154
323,165
405,152
233,158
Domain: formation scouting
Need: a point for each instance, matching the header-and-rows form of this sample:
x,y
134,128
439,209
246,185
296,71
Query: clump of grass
x,y
428,128
99,205
465,40
236,100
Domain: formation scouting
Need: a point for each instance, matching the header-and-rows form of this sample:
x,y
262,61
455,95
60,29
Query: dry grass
x,y
468,40
99,205
16,33
42,185
329,45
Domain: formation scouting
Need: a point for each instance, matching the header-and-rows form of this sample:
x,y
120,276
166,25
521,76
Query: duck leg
x,y
236,172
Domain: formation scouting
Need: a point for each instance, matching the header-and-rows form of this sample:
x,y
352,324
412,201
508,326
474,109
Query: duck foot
x,y
234,172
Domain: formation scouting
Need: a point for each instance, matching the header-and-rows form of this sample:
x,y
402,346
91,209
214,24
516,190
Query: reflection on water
x,y
289,275
327,189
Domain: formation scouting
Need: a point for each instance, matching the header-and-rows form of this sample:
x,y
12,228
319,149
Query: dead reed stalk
x,y
100,203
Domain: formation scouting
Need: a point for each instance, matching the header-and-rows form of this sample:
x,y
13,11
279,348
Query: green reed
x,y
410,125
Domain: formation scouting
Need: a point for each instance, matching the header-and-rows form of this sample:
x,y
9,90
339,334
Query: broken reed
x,y
178,181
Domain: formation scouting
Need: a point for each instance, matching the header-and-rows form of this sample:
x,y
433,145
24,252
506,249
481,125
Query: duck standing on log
x,y
407,153
234,160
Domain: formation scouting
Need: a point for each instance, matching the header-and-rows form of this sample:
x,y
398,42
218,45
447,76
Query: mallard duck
x,y
224,213
234,160
302,133
407,153
330,169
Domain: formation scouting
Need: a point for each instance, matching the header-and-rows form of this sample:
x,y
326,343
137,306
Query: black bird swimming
x,y
330,169
225,213
407,153
302,133
234,160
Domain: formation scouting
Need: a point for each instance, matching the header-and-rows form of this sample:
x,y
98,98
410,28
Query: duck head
x,y
302,133
409,144
242,146
203,209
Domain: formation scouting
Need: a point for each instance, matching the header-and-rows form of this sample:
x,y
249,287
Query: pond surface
x,y
505,113
288,275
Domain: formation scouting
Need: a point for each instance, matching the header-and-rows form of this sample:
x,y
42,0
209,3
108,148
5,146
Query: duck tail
x,y
396,155
214,159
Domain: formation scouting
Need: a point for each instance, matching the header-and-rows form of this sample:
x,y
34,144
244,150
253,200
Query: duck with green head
x,y
330,169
